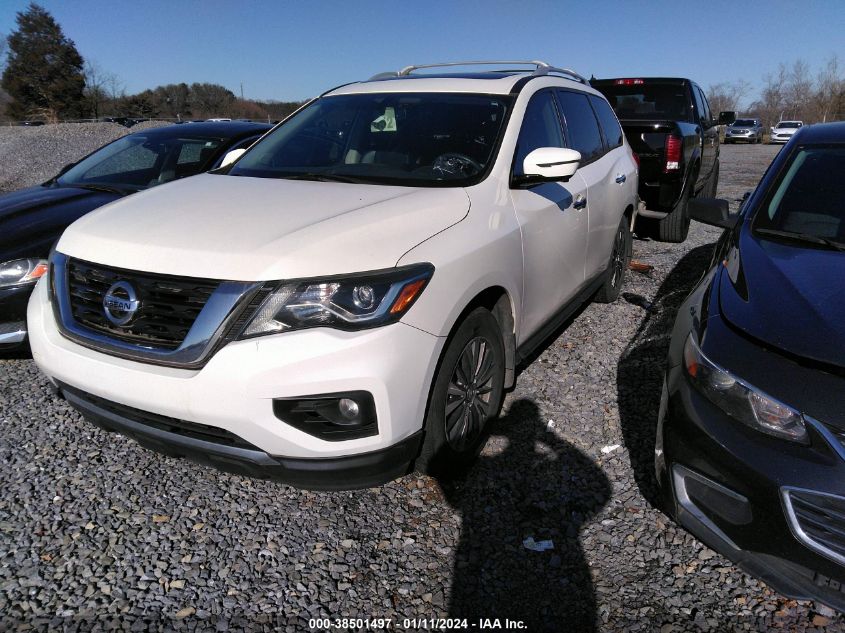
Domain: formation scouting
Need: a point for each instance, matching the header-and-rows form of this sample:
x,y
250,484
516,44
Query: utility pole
x,y
242,91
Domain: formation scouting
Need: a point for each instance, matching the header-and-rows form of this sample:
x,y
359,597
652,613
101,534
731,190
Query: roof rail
x,y
540,68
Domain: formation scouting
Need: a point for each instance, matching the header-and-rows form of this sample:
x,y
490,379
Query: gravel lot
x,y
98,533
32,155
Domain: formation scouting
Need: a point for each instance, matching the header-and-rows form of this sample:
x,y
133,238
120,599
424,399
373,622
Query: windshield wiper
x,y
106,188
323,177
802,237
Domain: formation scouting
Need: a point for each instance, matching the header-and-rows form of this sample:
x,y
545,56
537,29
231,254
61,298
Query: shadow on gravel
x,y
639,377
538,487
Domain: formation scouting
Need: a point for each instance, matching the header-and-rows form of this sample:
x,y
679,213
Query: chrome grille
x,y
169,305
817,520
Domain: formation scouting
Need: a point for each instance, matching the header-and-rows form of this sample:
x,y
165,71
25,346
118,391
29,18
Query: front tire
x,y
620,257
467,393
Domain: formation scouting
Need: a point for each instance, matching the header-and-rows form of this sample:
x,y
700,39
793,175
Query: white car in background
x,y
352,296
783,131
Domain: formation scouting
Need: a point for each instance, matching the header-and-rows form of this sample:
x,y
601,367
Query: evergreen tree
x,y
43,75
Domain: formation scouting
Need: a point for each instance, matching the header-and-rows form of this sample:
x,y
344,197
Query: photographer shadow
x,y
539,487
639,376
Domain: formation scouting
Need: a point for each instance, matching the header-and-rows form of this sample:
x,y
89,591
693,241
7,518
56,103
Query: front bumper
x,y
13,315
741,137
236,388
779,139
726,483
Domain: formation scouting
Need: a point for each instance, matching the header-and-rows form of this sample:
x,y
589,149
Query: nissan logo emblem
x,y
120,303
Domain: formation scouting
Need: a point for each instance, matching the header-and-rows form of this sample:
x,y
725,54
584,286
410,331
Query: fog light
x,y
348,408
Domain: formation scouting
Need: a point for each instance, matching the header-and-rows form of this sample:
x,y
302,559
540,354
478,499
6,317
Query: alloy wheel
x,y
469,392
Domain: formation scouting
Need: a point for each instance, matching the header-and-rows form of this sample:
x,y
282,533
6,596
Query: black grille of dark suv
x,y
168,305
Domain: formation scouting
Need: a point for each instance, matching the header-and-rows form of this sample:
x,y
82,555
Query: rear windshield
x,y
744,123
648,101
808,198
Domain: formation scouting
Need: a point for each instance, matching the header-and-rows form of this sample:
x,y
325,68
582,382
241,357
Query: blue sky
x,y
293,50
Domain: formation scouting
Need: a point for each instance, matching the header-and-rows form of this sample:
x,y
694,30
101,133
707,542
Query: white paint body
x,y
525,241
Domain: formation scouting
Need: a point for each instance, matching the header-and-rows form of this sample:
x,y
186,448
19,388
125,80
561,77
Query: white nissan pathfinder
x,y
349,298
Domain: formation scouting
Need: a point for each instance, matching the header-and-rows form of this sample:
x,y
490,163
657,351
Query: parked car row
x,y
348,298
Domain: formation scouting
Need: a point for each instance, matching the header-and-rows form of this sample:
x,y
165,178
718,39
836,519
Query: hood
x,y
32,219
786,130
788,296
255,229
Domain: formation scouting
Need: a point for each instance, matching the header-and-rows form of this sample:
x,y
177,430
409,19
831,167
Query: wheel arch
x,y
499,302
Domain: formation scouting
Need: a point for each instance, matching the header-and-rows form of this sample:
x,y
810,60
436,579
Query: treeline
x,y
791,92
185,102
45,78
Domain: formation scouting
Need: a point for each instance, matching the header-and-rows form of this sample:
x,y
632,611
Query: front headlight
x,y
740,400
351,302
21,271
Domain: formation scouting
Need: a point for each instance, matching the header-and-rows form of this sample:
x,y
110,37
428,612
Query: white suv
x,y
351,297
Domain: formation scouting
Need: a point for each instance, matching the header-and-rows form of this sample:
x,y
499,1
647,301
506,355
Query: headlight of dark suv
x,y
740,400
350,302
18,272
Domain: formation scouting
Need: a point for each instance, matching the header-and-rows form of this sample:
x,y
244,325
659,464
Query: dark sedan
x,y
750,447
31,220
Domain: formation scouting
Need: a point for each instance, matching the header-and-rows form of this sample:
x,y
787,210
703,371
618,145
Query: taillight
x,y
636,158
629,82
673,154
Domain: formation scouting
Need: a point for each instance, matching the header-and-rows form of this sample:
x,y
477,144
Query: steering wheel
x,y
455,164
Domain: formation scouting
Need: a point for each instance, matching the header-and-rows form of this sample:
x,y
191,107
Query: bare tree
x,y
728,95
830,89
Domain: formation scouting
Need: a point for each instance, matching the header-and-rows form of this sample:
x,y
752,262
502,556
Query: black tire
x,y
446,451
674,227
713,184
620,257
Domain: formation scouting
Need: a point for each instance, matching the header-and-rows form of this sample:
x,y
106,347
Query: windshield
x,y
810,197
648,101
417,139
744,123
136,162
790,124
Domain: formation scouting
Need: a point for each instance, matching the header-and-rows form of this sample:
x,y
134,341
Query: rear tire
x,y
466,394
674,227
713,185
620,257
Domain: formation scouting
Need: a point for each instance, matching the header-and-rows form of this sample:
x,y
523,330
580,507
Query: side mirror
x,y
231,157
712,211
551,163
726,118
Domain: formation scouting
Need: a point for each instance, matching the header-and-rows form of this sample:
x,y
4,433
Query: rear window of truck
x,y
648,101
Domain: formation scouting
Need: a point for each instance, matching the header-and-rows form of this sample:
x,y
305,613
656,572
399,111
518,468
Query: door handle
x,y
580,202
620,178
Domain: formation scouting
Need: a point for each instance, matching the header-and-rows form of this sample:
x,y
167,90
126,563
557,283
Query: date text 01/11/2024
x,y
414,624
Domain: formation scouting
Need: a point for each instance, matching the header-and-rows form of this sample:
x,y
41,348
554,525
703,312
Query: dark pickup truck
x,y
668,124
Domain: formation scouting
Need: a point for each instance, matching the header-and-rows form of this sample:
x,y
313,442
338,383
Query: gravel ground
x,y
32,155
96,533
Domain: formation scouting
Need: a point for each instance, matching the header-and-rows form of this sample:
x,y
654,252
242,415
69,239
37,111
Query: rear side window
x,y
540,128
609,125
582,128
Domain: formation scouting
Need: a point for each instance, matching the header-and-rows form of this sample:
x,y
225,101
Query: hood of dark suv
x,y
32,219
788,296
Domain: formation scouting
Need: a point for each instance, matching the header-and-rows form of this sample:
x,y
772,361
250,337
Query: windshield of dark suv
x,y
136,162
648,101
416,139
807,202
744,123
